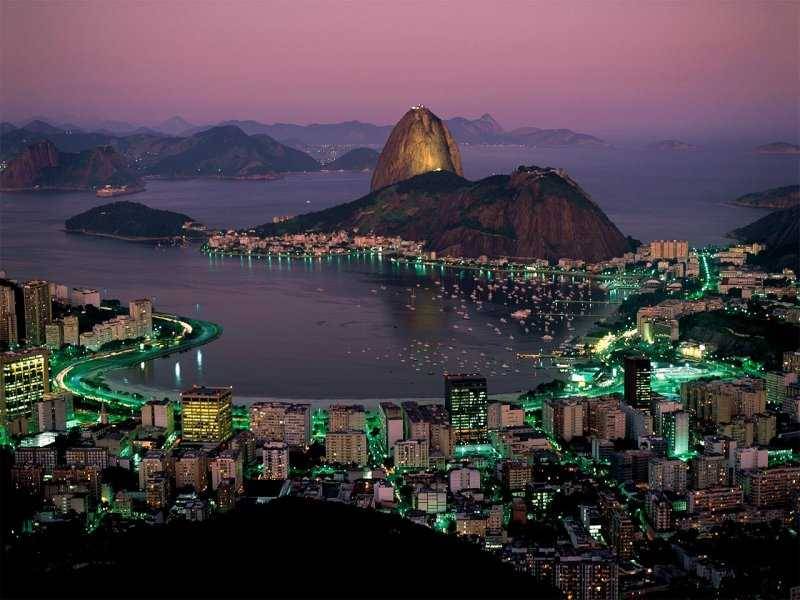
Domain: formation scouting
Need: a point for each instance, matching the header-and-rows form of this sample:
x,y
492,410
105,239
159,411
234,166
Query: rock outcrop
x,y
419,143
532,213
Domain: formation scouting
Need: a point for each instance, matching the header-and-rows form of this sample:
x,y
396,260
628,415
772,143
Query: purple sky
x,y
630,69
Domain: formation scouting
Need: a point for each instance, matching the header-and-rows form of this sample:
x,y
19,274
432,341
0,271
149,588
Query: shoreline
x,y
124,238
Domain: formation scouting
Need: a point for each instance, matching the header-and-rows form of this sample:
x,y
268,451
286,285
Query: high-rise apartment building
x,y
8,316
71,330
668,475
275,458
411,454
160,414
709,471
675,426
38,311
563,418
392,421
281,422
346,417
227,465
207,414
141,311
669,249
466,402
346,447
191,471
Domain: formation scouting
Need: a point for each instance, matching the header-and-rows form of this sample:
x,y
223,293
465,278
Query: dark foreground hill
x,y
290,547
781,197
780,231
534,212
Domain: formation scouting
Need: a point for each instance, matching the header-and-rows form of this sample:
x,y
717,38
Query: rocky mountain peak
x,y
419,143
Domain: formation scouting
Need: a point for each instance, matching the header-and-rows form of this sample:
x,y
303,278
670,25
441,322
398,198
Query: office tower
x,y
676,432
658,507
346,447
392,420
275,458
8,316
53,411
281,422
159,414
71,330
227,466
346,417
466,402
411,454
191,470
667,475
141,311
709,471
563,418
38,311
637,381
207,414
24,379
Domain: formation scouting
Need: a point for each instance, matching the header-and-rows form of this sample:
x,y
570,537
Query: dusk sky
x,y
699,70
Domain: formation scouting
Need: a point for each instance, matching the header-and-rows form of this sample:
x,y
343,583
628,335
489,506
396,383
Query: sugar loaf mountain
x,y
419,193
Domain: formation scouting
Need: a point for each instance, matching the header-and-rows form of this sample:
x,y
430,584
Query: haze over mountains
x,y
483,130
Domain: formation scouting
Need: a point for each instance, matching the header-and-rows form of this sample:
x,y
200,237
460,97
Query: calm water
x,y
343,329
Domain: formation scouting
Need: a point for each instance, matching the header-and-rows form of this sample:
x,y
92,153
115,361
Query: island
x,y
775,198
132,221
673,146
778,148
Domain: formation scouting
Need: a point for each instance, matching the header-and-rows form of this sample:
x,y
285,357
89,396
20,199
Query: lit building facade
x,y
38,310
207,414
24,379
466,402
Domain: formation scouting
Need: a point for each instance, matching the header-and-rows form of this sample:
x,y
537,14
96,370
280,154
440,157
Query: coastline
x,y
123,238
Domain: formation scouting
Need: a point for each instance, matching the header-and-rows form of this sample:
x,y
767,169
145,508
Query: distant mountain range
x,y
483,130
